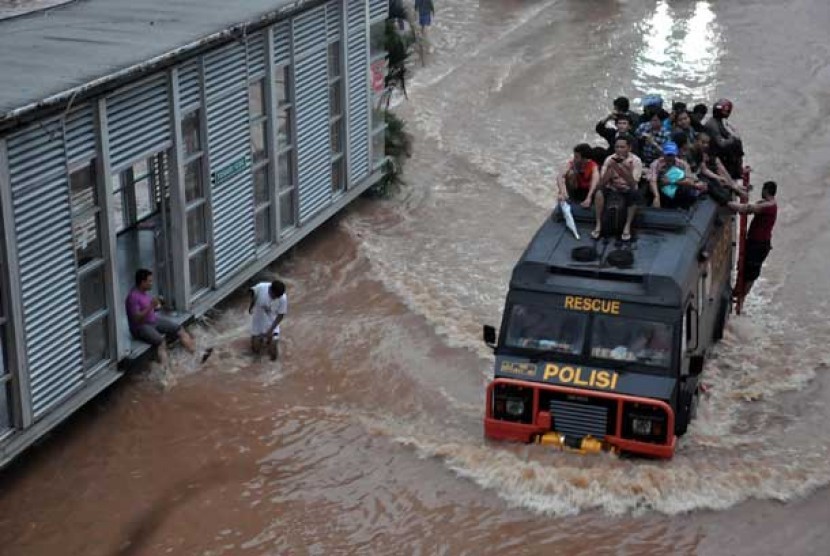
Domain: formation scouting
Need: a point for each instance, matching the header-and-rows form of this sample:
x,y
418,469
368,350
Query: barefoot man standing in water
x,y
267,309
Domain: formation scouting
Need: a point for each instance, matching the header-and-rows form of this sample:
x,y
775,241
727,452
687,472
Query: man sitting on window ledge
x,y
147,326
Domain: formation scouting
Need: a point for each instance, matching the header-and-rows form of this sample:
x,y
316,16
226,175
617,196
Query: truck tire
x,y
686,411
723,314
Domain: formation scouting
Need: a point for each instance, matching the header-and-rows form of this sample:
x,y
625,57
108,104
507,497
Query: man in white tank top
x,y
268,306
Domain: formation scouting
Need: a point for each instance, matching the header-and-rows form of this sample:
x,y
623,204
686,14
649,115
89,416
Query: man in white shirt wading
x,y
267,309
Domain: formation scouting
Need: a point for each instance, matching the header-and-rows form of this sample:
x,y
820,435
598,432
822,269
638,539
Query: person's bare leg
x,y
629,218
257,343
187,340
273,349
599,206
161,352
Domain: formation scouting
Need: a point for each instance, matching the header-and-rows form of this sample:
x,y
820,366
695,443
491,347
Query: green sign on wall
x,y
230,170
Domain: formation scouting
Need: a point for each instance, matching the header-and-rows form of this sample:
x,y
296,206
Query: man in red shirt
x,y
759,236
579,178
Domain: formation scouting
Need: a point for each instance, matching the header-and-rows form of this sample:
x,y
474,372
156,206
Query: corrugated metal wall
x,y
229,147
46,257
189,86
139,121
378,9
282,43
333,20
80,135
256,54
311,82
357,60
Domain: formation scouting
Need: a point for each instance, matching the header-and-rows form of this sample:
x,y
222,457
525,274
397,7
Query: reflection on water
x,y
680,54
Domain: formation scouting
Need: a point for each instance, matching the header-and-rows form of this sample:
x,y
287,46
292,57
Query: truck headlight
x,y
515,407
641,426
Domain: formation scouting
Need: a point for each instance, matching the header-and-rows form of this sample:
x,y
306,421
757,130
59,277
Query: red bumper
x,y
497,429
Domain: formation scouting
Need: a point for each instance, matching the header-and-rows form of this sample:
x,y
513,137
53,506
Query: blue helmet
x,y
653,99
670,148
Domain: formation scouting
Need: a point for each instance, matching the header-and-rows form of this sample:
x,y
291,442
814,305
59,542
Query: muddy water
x,y
366,436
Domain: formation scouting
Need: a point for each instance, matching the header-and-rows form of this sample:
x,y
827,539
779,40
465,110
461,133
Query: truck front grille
x,y
579,419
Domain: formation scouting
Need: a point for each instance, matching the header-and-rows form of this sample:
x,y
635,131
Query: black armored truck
x,y
602,343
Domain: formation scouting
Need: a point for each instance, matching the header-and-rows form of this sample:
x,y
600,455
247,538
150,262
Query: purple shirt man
x,y
149,327
137,303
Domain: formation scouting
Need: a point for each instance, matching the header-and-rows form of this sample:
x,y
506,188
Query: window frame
x,y
337,165
258,120
95,265
377,31
287,149
200,202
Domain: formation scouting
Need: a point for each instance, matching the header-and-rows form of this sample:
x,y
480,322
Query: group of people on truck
x,y
667,159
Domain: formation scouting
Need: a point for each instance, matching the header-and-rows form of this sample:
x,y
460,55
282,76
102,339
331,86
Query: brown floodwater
x,y
366,436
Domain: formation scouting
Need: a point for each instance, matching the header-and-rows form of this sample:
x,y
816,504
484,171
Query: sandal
x,y
626,236
595,234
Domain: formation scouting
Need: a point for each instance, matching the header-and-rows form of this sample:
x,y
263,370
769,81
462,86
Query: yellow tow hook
x,y
585,445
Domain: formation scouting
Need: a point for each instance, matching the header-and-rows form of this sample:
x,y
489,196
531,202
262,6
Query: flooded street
x,y
366,437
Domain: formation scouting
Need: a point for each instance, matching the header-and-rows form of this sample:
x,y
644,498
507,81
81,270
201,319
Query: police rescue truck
x,y
602,343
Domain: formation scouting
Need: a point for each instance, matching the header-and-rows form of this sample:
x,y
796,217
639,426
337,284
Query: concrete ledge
x,y
139,348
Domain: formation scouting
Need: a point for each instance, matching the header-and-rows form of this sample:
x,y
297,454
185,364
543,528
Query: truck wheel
x,y
686,412
723,314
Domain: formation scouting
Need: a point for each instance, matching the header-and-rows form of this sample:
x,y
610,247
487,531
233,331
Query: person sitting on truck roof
x,y
622,107
698,114
622,126
683,125
652,103
652,135
710,170
670,122
671,180
609,126
726,143
579,178
759,236
620,174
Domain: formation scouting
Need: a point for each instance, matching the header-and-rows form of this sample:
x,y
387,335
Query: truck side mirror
x,y
489,335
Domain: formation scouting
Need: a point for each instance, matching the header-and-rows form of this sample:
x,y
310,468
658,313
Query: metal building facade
x,y
208,170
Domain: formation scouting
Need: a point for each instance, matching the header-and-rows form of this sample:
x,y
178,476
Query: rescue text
x,y
592,305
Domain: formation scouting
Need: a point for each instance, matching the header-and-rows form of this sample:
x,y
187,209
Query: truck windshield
x,y
623,339
546,329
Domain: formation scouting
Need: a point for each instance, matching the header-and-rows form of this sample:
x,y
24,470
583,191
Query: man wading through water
x,y
267,309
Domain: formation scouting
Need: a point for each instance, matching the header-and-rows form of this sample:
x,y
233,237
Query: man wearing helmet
x,y
726,143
